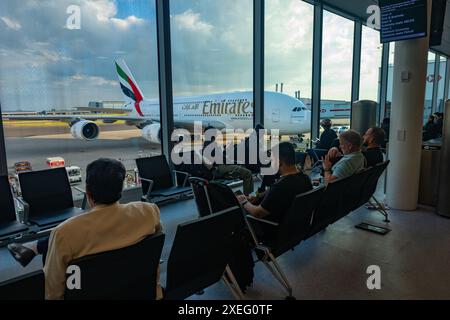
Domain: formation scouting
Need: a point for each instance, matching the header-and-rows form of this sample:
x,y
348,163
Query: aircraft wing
x,y
70,118
189,125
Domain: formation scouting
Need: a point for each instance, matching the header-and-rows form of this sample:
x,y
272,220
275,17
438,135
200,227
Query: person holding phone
x,y
279,197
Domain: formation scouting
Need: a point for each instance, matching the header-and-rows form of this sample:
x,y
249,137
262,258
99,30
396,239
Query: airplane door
x,y
276,115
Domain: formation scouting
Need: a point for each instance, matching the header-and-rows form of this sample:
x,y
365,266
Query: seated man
x,y
328,135
277,200
107,226
373,140
352,162
326,142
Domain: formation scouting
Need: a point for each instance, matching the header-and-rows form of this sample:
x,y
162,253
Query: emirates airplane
x,y
221,111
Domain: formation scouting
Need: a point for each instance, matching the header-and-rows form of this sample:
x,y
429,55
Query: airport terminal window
x,y
337,66
58,75
441,81
288,58
390,79
431,79
371,51
212,62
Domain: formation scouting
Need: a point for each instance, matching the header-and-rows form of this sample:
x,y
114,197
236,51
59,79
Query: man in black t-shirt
x,y
373,140
280,196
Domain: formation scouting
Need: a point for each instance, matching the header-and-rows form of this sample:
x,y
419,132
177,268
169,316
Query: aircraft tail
x,y
127,82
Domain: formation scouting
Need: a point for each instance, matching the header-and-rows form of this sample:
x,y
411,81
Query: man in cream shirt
x,y
109,225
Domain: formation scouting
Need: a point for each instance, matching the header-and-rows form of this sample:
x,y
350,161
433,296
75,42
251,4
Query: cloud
x,y
95,81
43,64
103,10
128,22
191,21
40,65
11,24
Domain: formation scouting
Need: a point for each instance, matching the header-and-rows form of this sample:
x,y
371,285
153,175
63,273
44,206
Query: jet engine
x,y
85,130
152,133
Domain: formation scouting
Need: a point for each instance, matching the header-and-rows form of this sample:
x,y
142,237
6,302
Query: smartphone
x,y
238,193
372,228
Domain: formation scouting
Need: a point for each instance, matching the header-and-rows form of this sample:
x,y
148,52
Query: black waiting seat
x,y
158,180
193,165
28,287
277,238
370,187
212,196
128,273
8,224
270,239
350,193
201,196
201,253
47,197
330,207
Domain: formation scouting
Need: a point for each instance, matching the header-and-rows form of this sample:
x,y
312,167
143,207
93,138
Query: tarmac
x,y
36,144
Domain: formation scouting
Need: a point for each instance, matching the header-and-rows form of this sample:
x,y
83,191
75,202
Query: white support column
x,y
405,143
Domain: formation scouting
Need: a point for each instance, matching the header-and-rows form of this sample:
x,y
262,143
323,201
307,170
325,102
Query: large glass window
x,y
431,79
212,57
390,83
337,65
288,62
441,81
67,95
371,52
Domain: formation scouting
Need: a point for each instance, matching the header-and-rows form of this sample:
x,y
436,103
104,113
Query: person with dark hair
x,y
385,125
326,142
352,161
373,140
328,135
277,200
107,226
429,129
439,124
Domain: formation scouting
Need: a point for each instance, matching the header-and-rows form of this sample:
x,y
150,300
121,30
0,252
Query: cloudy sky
x,y
43,64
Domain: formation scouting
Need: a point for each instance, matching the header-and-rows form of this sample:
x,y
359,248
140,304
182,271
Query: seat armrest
x,y
26,209
79,189
150,186
262,220
84,202
185,178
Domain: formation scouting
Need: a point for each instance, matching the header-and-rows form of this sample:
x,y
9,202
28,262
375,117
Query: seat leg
x,y
277,271
232,284
382,210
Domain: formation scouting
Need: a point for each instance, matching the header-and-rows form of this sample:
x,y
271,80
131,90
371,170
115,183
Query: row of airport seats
x,y
318,208
46,198
159,181
309,214
130,273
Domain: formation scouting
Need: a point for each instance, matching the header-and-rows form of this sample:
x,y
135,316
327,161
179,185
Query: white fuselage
x,y
235,110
